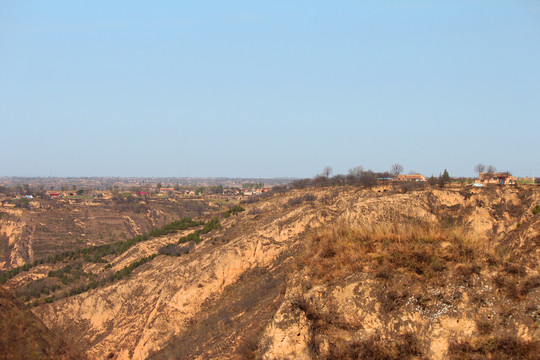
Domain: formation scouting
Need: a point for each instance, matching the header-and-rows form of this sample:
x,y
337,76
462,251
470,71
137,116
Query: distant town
x,y
156,187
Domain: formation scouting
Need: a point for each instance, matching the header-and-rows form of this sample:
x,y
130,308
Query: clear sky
x,y
268,88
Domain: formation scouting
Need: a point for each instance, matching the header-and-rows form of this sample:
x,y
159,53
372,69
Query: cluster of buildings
x,y
65,194
411,177
255,191
188,192
504,178
496,178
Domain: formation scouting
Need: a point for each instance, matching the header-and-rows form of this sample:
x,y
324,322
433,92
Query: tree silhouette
x,y
327,171
479,168
356,171
396,169
444,178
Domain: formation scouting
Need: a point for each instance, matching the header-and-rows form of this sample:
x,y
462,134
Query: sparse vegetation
x,y
211,225
495,347
233,211
14,272
393,267
404,260
256,295
194,236
536,209
336,251
96,254
23,336
300,199
125,272
22,203
376,348
356,177
408,186
69,273
251,186
79,281
171,250
74,280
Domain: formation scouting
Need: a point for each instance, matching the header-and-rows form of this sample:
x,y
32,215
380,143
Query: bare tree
x,y
479,168
356,171
396,169
327,171
491,169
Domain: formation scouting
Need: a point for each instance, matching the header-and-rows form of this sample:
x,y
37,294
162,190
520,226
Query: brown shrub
x,y
513,269
248,347
300,199
465,271
384,273
507,285
391,300
507,347
255,211
335,251
375,348
529,284
484,327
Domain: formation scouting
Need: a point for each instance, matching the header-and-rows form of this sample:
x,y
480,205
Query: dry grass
x,y
231,325
496,347
381,249
374,348
404,260
418,253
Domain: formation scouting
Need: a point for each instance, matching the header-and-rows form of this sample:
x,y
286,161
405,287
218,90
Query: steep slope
x,y
135,316
23,336
467,286
48,227
170,301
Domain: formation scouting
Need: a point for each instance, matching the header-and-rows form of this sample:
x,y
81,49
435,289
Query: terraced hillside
x,y
48,227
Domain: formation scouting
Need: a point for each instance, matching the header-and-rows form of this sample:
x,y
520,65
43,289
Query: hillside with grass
x,y
328,272
47,227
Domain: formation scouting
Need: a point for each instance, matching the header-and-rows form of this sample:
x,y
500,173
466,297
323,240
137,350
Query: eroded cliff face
x,y
437,304
12,229
171,300
134,317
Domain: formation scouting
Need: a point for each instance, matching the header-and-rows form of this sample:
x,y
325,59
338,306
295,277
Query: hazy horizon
x,y
267,90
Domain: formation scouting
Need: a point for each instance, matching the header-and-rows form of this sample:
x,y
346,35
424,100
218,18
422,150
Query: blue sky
x,y
268,88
